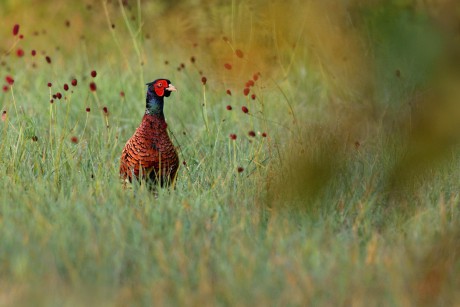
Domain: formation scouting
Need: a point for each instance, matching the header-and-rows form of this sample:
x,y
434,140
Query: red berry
x,y
74,82
253,96
93,74
50,84
92,86
58,95
229,107
244,109
33,52
66,87
232,136
246,91
74,140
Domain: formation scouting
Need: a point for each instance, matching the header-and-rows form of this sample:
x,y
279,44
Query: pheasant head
x,y
156,91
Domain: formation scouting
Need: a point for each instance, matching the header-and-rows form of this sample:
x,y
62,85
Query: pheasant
x,y
149,153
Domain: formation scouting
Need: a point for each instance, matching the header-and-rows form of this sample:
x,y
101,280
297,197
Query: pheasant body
x,y
149,154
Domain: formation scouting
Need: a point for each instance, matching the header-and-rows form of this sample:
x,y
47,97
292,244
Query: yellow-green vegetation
x,y
338,186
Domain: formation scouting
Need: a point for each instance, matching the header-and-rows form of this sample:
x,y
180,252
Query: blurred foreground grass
x,y
349,191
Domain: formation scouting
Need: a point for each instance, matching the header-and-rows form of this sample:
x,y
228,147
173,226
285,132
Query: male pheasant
x,y
149,152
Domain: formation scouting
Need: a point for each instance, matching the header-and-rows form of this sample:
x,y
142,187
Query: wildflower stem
x,y
204,109
14,100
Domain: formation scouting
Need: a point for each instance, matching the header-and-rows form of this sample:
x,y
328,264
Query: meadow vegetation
x,y
319,142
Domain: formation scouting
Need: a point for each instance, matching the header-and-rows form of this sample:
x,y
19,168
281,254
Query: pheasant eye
x,y
159,85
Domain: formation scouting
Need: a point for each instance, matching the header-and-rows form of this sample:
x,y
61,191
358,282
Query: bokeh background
x,y
347,194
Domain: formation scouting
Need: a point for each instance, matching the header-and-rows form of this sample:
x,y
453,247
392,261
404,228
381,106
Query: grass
x,y
350,199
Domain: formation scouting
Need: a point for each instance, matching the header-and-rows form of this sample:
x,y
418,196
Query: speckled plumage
x,y
150,151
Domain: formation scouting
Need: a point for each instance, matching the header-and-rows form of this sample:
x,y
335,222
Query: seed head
x,y
229,92
3,116
357,145
192,59
122,94
33,52
93,74
66,87
74,140
88,109
228,66
20,52
5,88
106,111
251,133
246,91
48,59
203,80
92,86
229,107
74,82
264,134
9,80
239,53
50,84
58,95
244,109
15,29
253,96
240,169
232,136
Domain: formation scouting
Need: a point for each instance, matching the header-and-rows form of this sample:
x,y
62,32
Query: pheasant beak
x,y
171,88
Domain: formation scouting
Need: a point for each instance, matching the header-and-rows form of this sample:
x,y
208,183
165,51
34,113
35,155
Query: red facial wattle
x,y
160,87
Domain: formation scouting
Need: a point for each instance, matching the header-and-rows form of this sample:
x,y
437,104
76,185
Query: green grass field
x,y
348,194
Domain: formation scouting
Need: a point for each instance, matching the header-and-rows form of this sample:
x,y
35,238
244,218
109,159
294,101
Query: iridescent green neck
x,y
154,106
